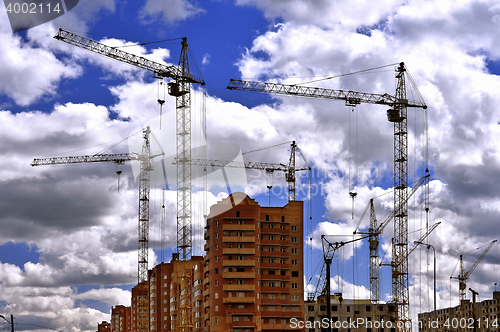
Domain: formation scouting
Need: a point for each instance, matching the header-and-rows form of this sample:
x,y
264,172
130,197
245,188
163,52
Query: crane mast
x,y
179,88
398,115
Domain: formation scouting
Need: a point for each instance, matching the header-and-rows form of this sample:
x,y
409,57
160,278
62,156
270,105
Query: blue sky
x,y
69,238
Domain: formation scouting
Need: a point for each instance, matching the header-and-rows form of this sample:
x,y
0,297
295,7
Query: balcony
x,y
236,262
237,239
238,251
240,312
239,275
238,227
278,327
246,299
239,288
243,325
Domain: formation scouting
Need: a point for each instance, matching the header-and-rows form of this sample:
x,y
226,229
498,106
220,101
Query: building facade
x,y
461,317
171,285
253,267
104,327
121,319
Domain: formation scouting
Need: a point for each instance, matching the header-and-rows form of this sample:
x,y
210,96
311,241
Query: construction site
x,y
251,276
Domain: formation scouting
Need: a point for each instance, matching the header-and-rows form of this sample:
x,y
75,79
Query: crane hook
x,y
118,172
353,195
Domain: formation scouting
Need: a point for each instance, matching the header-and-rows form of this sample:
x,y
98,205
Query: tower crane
x,y
374,232
464,275
329,249
289,169
180,88
397,114
144,188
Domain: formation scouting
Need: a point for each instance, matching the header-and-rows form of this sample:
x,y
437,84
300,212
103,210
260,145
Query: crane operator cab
x,y
393,115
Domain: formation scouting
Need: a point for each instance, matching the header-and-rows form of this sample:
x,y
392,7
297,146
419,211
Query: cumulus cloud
x,y
170,11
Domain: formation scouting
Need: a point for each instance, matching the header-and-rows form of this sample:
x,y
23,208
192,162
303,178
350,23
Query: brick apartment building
x,y
461,317
253,272
170,286
121,319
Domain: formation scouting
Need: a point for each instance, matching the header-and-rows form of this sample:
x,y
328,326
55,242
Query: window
x,y
240,222
295,250
272,296
240,269
283,226
216,247
295,239
216,282
272,272
294,261
216,271
283,284
216,295
240,258
237,214
295,273
216,223
283,261
272,320
229,245
283,272
295,285
216,235
272,248
283,238
283,249
271,226
240,245
295,228
267,217
295,297
272,260
240,281
216,259
282,218
272,237
216,308
216,321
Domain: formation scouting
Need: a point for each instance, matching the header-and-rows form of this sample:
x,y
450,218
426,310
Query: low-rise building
x,y
461,317
348,315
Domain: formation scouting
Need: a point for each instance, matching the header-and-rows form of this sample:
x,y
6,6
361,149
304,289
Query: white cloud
x,y
171,11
